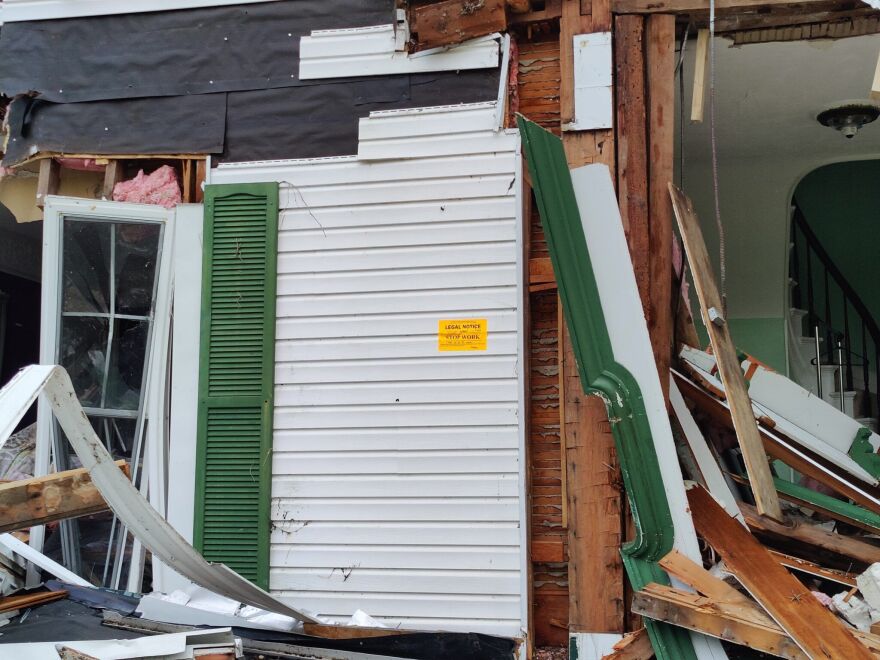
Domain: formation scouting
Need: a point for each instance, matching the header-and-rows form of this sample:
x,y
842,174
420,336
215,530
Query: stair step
x,y
811,341
849,398
870,422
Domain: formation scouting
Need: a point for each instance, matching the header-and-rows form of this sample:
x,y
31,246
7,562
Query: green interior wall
x,y
841,203
762,338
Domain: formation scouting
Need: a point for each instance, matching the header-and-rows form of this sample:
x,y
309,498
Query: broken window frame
x,y
49,441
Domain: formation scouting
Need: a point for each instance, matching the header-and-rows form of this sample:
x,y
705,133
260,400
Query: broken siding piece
x,y
744,422
373,51
813,628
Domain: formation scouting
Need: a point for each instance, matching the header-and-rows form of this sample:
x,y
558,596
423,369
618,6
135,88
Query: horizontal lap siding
x,y
396,484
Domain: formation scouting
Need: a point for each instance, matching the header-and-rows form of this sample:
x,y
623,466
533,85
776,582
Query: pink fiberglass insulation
x,y
160,188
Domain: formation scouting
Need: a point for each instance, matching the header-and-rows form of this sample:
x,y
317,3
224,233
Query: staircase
x,y
833,339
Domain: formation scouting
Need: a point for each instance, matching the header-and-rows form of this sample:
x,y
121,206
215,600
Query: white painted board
x,y
593,101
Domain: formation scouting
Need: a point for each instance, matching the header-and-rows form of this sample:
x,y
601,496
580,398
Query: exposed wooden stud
x,y
701,65
48,180
632,138
634,646
875,85
595,531
660,67
757,466
563,447
46,499
811,535
452,22
113,173
813,628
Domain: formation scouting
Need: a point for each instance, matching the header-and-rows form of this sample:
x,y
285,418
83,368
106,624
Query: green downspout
x,y
600,374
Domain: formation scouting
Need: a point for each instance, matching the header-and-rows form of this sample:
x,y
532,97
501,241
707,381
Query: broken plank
x,y
453,22
56,496
634,646
810,568
757,465
329,631
813,628
704,615
698,578
839,544
698,97
22,601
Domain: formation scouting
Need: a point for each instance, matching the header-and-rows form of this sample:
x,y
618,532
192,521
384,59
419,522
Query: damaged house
x,y
514,325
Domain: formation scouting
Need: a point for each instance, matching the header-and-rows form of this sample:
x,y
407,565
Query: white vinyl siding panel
x,y
397,468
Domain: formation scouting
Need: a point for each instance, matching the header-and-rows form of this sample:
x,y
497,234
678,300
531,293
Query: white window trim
x,y
56,209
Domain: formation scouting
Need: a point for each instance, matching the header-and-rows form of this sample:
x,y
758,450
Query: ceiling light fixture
x,y
848,117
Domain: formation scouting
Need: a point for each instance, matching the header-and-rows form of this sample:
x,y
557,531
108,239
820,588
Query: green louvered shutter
x,y
236,369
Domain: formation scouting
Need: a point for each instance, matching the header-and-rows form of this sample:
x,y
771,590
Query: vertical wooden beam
x,y
698,94
632,157
660,66
595,534
48,181
113,173
593,493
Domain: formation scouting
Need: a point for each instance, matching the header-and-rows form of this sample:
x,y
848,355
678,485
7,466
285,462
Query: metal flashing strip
x,y
143,521
611,344
12,11
373,51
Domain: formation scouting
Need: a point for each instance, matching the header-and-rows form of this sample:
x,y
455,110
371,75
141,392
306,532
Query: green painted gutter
x,y
600,374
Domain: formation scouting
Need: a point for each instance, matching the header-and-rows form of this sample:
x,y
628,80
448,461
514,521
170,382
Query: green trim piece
x,y
236,378
600,374
820,500
863,453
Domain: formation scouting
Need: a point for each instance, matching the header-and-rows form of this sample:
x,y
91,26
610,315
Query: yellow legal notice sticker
x,y
462,335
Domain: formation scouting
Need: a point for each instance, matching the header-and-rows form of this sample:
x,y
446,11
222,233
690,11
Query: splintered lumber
x,y
453,21
22,601
757,466
57,496
808,567
812,627
698,578
738,624
839,544
329,631
699,91
634,646
745,625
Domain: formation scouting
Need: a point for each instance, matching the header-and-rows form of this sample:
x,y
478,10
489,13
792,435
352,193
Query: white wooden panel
x,y
389,302
358,417
593,106
338,263
411,556
392,461
376,485
311,237
460,437
402,463
384,325
448,391
499,343
372,51
443,613
431,581
292,536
